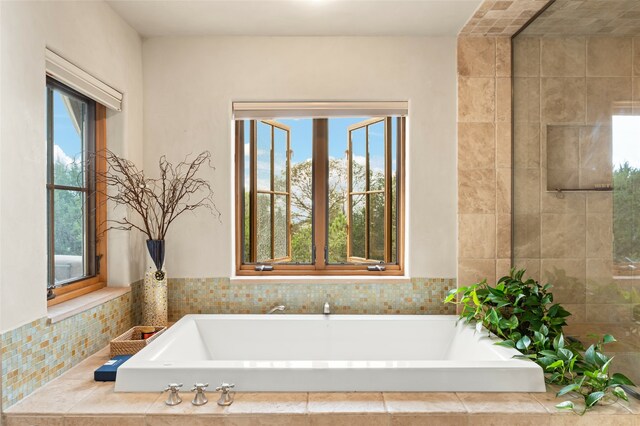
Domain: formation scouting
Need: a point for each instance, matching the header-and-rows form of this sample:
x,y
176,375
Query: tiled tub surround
x,y
75,399
38,352
223,296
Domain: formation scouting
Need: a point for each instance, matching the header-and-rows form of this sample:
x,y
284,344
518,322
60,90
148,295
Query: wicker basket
x,y
131,341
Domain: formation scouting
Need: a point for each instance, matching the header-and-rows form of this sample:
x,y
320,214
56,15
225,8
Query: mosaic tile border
x,y
38,352
221,296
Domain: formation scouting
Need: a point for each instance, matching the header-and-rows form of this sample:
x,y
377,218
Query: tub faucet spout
x,y
327,309
279,308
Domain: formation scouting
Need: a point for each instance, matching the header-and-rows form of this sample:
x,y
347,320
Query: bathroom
x,y
485,187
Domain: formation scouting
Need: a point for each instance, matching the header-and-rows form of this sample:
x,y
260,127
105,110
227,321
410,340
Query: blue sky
x,y
65,135
302,137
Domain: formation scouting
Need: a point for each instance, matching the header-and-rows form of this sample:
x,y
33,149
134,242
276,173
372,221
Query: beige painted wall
x,y
190,83
92,36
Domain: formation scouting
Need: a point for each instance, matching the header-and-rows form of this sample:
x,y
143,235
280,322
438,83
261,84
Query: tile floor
x,y
74,399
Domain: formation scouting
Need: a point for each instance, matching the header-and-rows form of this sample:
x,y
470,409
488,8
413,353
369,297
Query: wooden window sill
x,y
69,308
324,279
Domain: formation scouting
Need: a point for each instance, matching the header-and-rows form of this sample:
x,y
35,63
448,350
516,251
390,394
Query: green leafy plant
x,y
523,314
520,312
593,381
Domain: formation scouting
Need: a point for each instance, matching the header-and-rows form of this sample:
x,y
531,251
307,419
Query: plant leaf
x,y
555,364
565,405
558,342
601,359
474,296
565,354
620,393
569,388
621,379
590,354
593,398
529,356
607,338
523,343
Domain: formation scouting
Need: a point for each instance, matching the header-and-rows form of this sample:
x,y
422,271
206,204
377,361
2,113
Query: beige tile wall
x,y
484,157
569,83
565,89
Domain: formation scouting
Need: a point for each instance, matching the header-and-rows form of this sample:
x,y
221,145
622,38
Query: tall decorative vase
x,y
154,295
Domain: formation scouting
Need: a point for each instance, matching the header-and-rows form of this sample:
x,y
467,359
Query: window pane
x,y
264,156
337,185
280,227
279,159
358,160
626,195
247,185
358,226
282,234
376,227
301,140
376,156
394,183
264,228
69,235
69,124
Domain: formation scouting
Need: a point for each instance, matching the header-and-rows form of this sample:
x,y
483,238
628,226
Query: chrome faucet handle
x,y
173,398
200,398
227,397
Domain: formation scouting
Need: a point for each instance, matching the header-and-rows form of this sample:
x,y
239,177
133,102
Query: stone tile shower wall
x,y
484,157
220,296
565,90
38,352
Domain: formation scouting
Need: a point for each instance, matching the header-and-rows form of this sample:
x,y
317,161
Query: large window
x,y
75,213
320,195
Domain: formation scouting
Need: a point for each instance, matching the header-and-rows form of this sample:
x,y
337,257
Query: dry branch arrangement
x,y
157,201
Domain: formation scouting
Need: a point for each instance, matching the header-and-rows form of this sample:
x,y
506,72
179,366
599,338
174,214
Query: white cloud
x,y
375,162
59,156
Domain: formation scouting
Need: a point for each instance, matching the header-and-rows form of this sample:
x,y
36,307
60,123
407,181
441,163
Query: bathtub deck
x,y
75,399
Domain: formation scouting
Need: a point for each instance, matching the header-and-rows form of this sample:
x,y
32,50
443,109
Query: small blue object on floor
x,y
107,372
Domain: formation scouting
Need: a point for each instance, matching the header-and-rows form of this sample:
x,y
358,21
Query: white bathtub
x,y
312,353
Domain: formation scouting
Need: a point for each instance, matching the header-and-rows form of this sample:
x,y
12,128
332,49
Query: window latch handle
x,y
376,268
262,268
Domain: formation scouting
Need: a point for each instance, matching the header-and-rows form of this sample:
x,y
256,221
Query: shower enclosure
x,y
576,166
